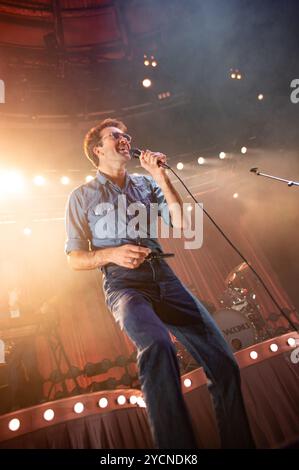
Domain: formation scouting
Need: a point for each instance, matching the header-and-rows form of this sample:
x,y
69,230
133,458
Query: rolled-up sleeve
x,y
77,229
161,201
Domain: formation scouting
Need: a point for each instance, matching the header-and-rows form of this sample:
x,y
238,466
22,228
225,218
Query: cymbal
x,y
235,272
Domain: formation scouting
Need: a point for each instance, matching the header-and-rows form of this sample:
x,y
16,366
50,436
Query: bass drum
x,y
238,331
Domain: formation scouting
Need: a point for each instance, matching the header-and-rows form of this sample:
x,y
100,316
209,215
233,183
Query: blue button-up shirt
x,y
100,214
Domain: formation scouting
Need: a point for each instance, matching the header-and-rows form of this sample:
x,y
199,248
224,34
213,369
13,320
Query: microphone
x,y
135,153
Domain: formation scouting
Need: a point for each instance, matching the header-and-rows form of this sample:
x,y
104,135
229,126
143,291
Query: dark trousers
x,y
150,301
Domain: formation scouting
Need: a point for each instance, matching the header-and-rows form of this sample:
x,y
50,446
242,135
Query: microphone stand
x,y
135,153
290,183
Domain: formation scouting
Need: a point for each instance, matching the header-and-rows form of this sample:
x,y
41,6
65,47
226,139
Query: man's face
x,y
115,145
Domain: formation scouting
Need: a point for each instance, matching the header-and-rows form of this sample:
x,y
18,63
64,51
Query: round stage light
x,y
88,178
49,414
292,342
141,402
14,424
121,400
235,195
200,160
180,166
146,82
222,155
11,182
187,383
39,180
27,231
103,402
78,407
273,347
253,355
133,400
65,180
243,150
260,97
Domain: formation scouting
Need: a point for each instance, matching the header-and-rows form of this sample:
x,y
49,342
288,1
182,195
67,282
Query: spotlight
x,y
291,342
146,62
233,75
49,415
189,208
103,402
187,383
154,63
27,231
133,400
11,182
146,82
39,180
121,400
164,95
273,347
14,424
201,160
64,180
222,155
141,402
180,166
235,195
78,407
243,150
253,355
239,76
88,178
260,97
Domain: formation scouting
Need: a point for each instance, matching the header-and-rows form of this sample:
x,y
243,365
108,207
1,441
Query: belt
x,y
157,255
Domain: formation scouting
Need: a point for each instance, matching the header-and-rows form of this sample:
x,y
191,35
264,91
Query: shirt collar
x,y
104,180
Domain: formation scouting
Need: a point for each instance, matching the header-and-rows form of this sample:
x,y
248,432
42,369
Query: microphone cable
x,y
136,153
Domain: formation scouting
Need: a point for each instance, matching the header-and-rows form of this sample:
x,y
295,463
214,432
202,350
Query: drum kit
x,y
240,319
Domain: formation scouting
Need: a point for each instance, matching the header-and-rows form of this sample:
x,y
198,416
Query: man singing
x,y
143,293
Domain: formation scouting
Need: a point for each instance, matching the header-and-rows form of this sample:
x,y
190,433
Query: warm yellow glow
x,y
65,180
180,166
27,231
200,160
39,180
222,155
11,182
88,178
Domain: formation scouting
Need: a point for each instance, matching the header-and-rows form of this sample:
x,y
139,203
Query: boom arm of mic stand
x,y
290,183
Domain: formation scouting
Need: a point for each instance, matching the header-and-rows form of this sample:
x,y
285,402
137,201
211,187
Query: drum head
x,y
238,331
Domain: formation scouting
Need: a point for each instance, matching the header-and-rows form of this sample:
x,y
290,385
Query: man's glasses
x,y
117,135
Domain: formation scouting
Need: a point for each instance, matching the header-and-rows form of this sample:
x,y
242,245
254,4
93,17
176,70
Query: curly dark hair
x,y
93,138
